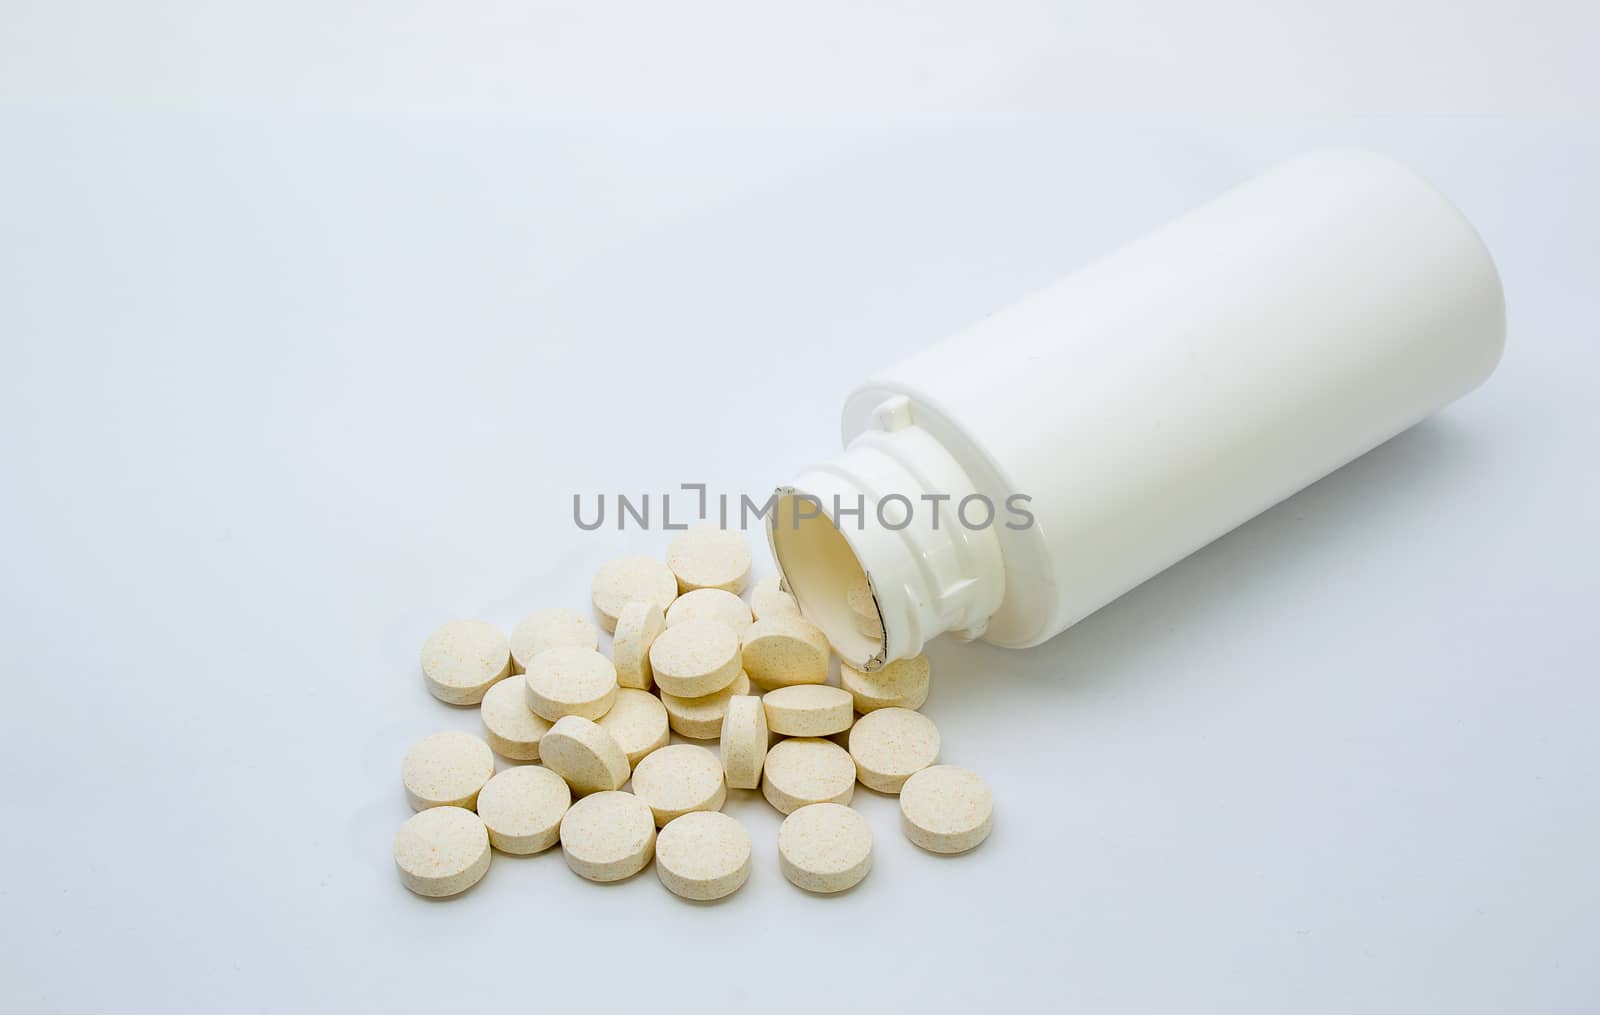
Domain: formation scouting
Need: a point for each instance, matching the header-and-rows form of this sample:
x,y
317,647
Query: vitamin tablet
x,y
825,848
706,558
703,856
522,808
442,851
891,745
782,651
638,626
769,600
711,604
701,718
637,722
608,836
695,658
901,684
571,681
807,771
585,755
678,779
622,581
808,710
547,629
463,659
863,608
945,809
744,742
509,725
446,770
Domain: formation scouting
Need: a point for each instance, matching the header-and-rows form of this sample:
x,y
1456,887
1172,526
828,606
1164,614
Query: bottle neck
x,y
897,510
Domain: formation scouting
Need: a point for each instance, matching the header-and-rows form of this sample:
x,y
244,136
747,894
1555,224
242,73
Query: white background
x,y
314,321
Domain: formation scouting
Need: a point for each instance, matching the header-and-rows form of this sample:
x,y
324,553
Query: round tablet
x,y
703,856
442,851
678,779
808,710
637,722
585,755
638,626
785,650
807,771
463,659
695,658
547,629
522,807
891,745
711,604
901,684
769,600
945,809
707,558
701,718
825,848
622,581
608,836
509,725
446,770
744,742
863,608
571,681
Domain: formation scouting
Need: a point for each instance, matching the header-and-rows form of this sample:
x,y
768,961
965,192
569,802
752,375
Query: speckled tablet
x,y
512,729
807,771
638,723
711,604
891,745
678,779
547,629
522,808
707,558
570,681
638,626
608,836
695,658
808,710
782,651
583,754
701,718
442,851
463,659
768,599
945,809
744,742
620,582
825,848
901,684
446,770
703,856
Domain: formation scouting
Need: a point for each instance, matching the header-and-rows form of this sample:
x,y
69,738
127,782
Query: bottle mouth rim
x,y
818,566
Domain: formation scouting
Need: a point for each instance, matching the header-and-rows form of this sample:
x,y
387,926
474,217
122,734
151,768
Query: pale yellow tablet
x,y
608,836
446,770
807,771
463,659
707,558
522,808
442,851
825,848
945,809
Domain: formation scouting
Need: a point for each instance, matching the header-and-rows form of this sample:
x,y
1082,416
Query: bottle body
x,y
1157,399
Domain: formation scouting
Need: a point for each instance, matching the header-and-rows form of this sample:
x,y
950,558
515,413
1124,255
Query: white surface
x,y
256,364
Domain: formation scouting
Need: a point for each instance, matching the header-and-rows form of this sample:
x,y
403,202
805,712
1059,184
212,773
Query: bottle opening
x,y
821,570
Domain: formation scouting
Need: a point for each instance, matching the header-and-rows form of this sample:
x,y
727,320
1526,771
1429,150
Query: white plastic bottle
x,y
1140,408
